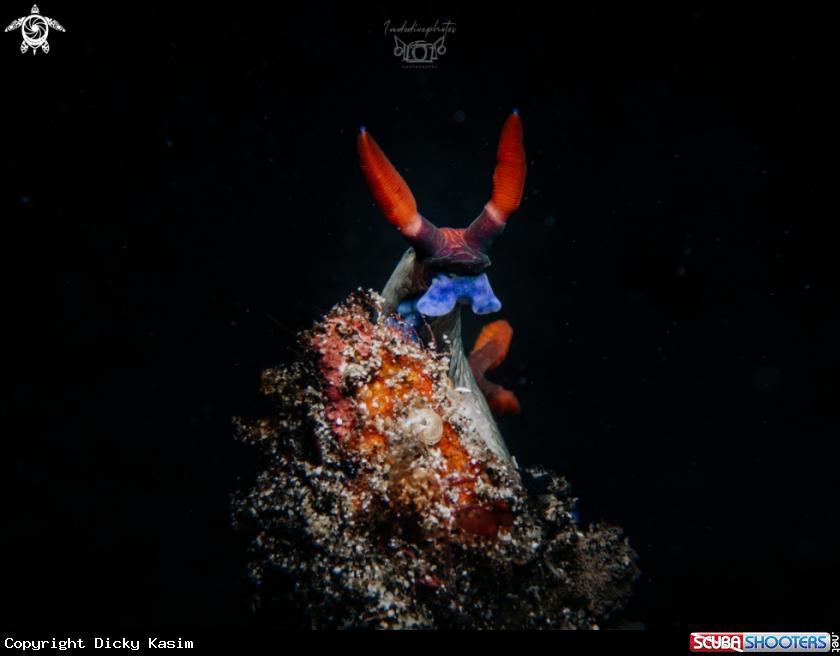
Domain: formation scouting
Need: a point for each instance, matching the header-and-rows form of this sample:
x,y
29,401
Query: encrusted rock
x,y
381,506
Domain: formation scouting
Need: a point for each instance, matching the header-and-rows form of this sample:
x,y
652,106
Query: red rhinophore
x,y
456,251
509,177
389,190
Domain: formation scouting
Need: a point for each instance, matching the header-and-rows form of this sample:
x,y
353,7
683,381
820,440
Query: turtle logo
x,y
35,29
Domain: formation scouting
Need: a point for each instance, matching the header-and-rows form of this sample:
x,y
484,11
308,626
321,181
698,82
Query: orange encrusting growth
x,y
389,190
355,411
509,176
380,399
489,351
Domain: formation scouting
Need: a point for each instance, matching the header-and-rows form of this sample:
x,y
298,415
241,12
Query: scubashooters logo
x,y
34,29
761,642
420,53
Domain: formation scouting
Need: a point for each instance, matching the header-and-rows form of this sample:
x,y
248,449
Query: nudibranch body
x,y
388,497
444,267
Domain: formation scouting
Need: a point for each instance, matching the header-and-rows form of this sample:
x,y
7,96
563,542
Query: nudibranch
x,y
444,268
387,497
453,258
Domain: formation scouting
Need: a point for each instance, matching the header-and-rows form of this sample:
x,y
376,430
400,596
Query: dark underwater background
x,y
180,192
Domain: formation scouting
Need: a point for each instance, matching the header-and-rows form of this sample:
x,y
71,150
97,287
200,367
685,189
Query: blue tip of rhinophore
x,y
516,111
362,129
